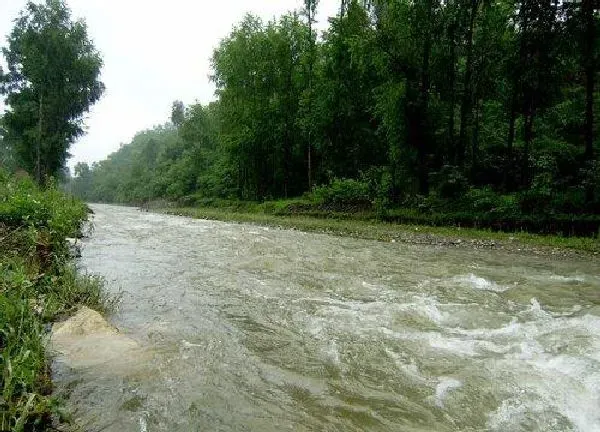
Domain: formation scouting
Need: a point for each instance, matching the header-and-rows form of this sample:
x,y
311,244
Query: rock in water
x,y
87,339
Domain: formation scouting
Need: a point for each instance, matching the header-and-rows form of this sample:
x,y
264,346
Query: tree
x,y
259,77
467,99
6,156
178,113
589,67
348,75
310,10
81,183
52,80
407,117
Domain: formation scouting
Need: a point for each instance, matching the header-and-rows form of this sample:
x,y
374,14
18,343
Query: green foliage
x,y
22,204
22,364
451,182
342,192
260,100
487,201
469,109
177,113
52,80
38,283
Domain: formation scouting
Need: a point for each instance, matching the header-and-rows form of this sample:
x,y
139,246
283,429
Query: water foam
x,y
445,386
409,369
557,391
143,424
332,353
568,279
480,283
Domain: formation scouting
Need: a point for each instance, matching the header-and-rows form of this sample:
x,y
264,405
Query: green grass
x,y
364,226
38,284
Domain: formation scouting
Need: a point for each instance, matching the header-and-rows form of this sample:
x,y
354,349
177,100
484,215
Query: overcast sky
x,y
154,52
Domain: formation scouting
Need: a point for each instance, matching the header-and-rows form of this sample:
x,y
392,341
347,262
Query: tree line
x,y
425,103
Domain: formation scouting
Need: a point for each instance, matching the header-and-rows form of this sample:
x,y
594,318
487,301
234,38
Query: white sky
x,y
154,52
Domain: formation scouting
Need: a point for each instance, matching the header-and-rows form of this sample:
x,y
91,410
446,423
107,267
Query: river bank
x,y
39,284
358,227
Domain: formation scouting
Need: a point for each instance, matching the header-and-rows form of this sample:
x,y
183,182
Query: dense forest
x,y
458,105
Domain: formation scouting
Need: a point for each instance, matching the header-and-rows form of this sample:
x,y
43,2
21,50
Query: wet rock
x,y
87,339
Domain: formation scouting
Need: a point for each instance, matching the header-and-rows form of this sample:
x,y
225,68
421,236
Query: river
x,y
247,328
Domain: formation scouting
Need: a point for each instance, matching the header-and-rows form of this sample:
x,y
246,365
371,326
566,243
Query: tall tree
x,y
533,72
348,76
310,11
589,67
6,156
52,80
259,77
82,181
421,134
467,98
177,113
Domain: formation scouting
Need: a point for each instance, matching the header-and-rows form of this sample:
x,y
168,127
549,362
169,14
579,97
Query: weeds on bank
x,y
38,284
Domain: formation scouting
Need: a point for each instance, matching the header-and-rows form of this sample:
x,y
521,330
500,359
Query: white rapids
x,y
234,327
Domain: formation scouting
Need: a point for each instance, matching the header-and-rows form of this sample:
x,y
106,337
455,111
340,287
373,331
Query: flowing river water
x,y
227,327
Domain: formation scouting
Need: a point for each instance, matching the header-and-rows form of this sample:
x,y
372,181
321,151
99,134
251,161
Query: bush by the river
x,y
38,284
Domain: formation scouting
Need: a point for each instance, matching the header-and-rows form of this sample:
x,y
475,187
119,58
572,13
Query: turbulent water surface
x,y
246,328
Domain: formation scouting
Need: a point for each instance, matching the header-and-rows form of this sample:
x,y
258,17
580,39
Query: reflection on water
x,y
236,327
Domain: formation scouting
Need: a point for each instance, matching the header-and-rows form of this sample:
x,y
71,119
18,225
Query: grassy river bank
x,y
366,225
39,284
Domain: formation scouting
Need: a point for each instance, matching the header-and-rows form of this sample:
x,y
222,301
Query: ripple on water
x,y
480,283
445,386
268,330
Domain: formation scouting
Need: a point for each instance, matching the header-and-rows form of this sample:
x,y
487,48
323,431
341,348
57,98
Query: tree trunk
x,y
589,69
310,73
423,139
287,151
475,143
588,59
528,137
465,109
589,112
38,155
452,79
309,163
508,171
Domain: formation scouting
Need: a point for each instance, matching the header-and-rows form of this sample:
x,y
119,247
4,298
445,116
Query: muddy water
x,y
245,328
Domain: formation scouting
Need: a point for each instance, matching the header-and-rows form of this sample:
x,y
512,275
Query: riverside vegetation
x,y
458,113
50,82
39,283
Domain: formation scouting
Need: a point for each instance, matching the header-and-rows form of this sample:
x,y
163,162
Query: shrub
x,y
450,182
37,283
486,200
23,204
571,200
343,191
481,200
380,186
